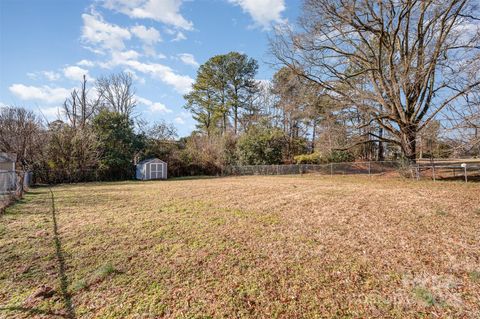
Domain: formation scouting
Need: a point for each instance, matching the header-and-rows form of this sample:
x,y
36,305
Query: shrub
x,y
314,158
261,146
336,156
331,157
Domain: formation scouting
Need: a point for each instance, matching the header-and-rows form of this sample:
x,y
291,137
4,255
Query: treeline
x,y
351,84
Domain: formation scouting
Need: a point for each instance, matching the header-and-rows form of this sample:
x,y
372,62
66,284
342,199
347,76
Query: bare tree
x,y
414,56
162,131
20,132
117,93
79,108
463,124
72,152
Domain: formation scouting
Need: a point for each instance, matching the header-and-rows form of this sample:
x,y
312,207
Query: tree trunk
x,y
20,183
224,130
477,141
235,118
408,142
314,132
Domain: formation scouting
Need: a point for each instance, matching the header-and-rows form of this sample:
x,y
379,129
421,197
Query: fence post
x,y
417,171
331,169
464,165
369,168
433,172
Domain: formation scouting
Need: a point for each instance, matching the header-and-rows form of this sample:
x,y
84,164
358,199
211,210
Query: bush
x,y
318,158
314,158
336,156
261,146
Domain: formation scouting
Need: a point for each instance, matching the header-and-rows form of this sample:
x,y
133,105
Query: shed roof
x,y
8,157
148,160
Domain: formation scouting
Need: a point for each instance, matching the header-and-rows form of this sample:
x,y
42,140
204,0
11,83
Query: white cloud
x,y
181,83
44,93
182,118
263,12
32,75
126,55
148,36
160,56
48,75
179,120
153,106
86,63
102,37
97,32
51,112
188,58
75,73
159,107
119,58
134,75
179,37
51,75
166,11
130,60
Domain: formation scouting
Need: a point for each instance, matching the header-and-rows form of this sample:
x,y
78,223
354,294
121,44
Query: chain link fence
x,y
8,182
466,171
454,170
331,168
8,187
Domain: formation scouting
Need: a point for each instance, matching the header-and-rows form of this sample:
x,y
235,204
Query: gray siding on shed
x,y
7,166
7,161
153,168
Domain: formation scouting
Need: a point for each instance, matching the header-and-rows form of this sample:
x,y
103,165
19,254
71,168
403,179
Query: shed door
x,y
155,170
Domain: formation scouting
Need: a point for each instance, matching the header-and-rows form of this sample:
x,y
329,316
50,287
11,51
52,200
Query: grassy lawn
x,y
246,247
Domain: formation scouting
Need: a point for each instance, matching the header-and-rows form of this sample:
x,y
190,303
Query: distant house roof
x,y
148,160
8,157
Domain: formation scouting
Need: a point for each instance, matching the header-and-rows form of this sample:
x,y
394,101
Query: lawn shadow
x,y
69,311
67,300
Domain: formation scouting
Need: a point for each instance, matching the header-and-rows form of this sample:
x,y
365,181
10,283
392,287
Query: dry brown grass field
x,y
244,247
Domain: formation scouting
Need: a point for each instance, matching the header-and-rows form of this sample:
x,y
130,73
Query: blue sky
x,y
46,46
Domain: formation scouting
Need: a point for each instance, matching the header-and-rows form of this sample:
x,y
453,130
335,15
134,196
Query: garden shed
x,y
7,162
152,168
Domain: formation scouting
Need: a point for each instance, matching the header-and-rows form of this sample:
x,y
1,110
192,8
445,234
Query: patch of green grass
x,y
441,212
104,271
426,296
474,275
79,285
